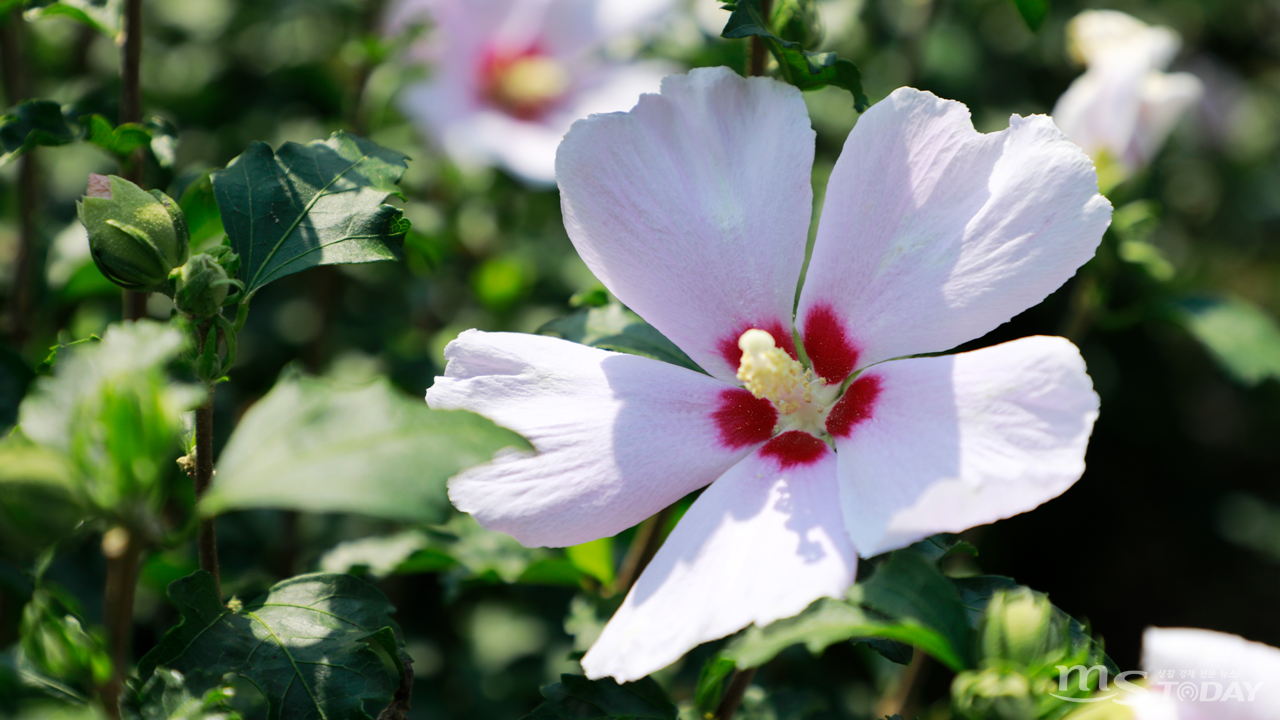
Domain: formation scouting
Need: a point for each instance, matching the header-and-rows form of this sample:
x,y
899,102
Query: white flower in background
x,y
508,77
1123,107
1205,675
693,209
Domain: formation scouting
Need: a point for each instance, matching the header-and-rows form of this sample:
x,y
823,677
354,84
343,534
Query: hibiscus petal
x,y
933,234
1253,669
758,545
948,443
618,437
694,207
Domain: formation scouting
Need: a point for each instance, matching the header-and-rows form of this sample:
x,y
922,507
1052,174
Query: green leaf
x,y
119,141
937,548
56,643
1240,336
806,70
308,205
909,589
101,15
34,123
1033,12
164,140
168,695
710,689
39,503
594,558
315,445
613,327
313,645
577,698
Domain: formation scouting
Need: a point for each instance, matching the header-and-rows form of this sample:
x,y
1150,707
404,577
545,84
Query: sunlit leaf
x,y
314,645
1244,339
32,124
806,70
316,445
119,141
594,558
101,15
169,696
613,327
308,205
577,698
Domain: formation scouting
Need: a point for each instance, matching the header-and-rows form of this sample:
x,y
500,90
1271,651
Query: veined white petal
x,y
956,441
693,208
1245,684
933,234
758,545
618,437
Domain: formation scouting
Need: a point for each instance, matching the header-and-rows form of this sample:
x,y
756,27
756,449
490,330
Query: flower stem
x,y
733,694
123,551
206,539
135,303
12,58
760,51
903,701
643,547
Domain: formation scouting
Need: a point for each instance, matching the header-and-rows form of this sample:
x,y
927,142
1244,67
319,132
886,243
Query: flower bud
x,y
993,694
1023,627
202,287
797,21
135,238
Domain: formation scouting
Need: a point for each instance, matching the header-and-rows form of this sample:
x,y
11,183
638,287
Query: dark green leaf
x,y
170,695
15,376
577,698
910,589
1244,339
941,546
308,205
806,70
613,327
307,645
101,15
200,208
1033,12
39,503
119,141
829,621
34,123
314,445
891,650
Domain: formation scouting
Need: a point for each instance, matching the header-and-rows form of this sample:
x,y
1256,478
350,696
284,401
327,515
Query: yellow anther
x,y
532,81
769,372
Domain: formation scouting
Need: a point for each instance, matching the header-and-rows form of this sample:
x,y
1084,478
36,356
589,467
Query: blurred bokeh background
x,y
1175,523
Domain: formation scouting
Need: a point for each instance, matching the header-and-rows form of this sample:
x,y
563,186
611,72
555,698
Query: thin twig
x,y
760,51
135,303
206,538
16,83
733,694
643,547
123,551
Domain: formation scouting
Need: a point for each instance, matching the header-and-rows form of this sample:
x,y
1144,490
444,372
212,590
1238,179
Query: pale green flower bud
x,y
797,21
135,238
202,287
1023,627
993,694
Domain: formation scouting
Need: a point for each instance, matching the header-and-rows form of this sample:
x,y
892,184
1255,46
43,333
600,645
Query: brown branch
x,y
643,547
16,85
733,694
135,303
123,552
760,51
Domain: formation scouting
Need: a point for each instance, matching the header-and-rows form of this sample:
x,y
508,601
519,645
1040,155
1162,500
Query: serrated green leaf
x,y
806,70
170,695
613,327
101,15
315,445
308,205
305,644
909,589
1033,12
1240,336
577,698
827,622
34,123
119,141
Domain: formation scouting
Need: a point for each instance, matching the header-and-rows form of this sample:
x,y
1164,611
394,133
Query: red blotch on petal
x,y
830,350
794,447
732,354
744,419
855,407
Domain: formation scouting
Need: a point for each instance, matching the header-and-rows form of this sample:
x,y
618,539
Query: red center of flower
x,y
855,407
743,419
794,447
830,350
524,83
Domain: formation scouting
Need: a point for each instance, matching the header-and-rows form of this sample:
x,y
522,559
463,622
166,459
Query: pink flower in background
x,y
694,210
1204,675
1123,106
508,77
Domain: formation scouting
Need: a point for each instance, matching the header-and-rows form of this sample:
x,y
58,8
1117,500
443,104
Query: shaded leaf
x,y
169,695
101,15
577,698
613,327
308,205
909,589
57,644
1033,12
315,445
39,504
119,141
34,123
806,70
1243,339
937,548
710,688
308,645
15,376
